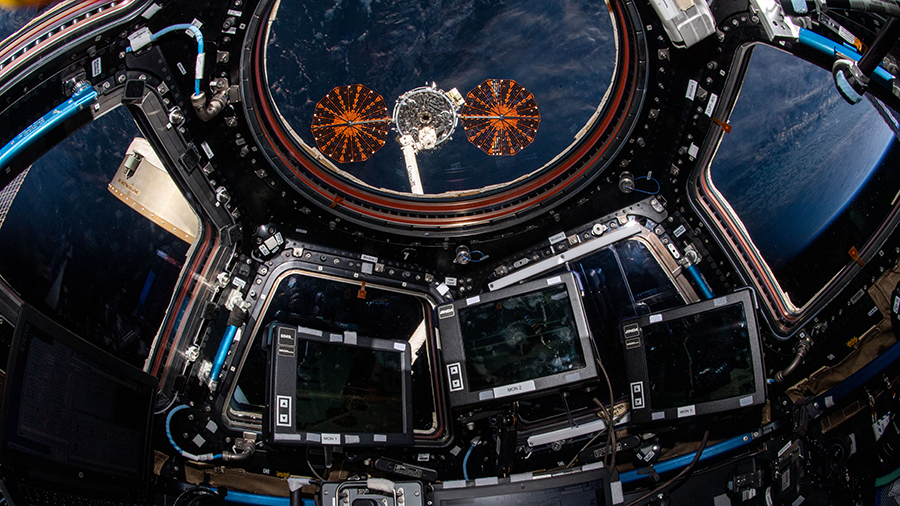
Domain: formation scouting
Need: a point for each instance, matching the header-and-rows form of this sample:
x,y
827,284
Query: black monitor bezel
x,y
25,466
282,382
521,484
454,357
636,361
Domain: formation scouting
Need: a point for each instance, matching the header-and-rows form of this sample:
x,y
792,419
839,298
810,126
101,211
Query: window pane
x,y
337,306
804,171
82,255
14,19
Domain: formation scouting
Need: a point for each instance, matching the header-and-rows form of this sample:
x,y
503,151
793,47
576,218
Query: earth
x,y
797,156
563,52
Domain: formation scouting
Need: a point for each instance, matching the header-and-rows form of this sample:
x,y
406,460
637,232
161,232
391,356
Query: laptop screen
x,y
581,488
72,414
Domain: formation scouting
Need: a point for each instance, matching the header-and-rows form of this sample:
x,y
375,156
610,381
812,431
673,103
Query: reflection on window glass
x,y
807,173
620,281
75,250
335,306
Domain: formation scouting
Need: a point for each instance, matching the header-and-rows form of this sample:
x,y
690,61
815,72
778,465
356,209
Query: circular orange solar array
x,y
500,117
351,123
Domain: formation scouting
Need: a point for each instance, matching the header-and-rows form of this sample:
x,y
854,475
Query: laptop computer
x,y
75,421
588,485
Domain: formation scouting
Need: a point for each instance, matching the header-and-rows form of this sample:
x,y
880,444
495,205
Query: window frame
x,y
784,317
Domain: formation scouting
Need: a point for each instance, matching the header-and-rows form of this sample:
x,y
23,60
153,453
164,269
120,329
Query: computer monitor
x,y
523,339
694,360
588,486
337,389
73,416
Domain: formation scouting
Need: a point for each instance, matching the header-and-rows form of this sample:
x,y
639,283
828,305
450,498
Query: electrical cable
x,y
169,405
648,178
888,478
611,445
677,476
308,463
466,458
481,256
589,443
200,458
198,35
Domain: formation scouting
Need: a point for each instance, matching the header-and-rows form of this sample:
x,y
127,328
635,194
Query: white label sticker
x,y
659,415
693,150
336,338
721,301
350,337
711,105
232,12
380,438
556,238
555,280
450,281
691,90
238,282
784,448
96,67
315,438
181,68
139,38
846,35
153,9
206,149
897,304
351,439
687,411
680,230
369,258
746,401
655,318
198,440
473,300
515,388
331,439
400,346
442,289
873,310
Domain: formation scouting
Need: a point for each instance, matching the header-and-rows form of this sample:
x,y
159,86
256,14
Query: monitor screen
x,y
70,409
338,389
524,338
698,359
521,337
348,389
581,488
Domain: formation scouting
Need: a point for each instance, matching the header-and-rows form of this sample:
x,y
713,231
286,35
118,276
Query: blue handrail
x,y
85,94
